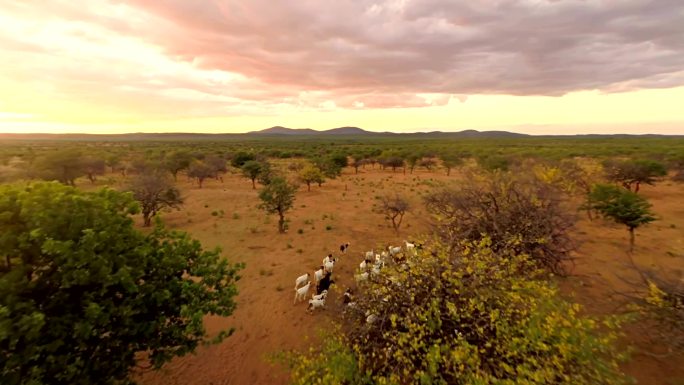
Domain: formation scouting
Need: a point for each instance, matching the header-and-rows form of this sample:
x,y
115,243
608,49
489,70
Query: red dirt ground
x,y
266,320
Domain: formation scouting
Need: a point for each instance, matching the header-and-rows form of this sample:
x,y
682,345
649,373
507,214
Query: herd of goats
x,y
371,265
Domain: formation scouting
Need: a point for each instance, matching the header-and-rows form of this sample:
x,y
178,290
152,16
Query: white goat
x,y
301,279
302,292
369,255
394,250
363,266
327,259
411,247
318,274
323,295
315,304
329,266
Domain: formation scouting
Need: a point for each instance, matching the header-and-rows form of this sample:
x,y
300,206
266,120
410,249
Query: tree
x,y
451,161
154,192
251,169
428,163
92,167
63,166
277,197
218,165
516,212
113,161
633,173
331,167
240,158
311,174
83,292
393,208
623,206
463,317
201,171
412,161
493,163
393,162
176,162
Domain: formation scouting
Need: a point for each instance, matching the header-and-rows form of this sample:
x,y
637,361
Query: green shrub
x,y
466,318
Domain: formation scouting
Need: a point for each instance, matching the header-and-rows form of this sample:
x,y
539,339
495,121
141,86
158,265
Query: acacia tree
x,y
632,173
451,161
92,167
519,213
463,317
277,197
251,170
176,162
83,292
218,165
623,206
428,163
63,166
201,171
412,161
311,174
154,192
393,208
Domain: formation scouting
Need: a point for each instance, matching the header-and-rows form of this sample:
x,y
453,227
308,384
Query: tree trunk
x,y
200,181
636,189
281,223
253,184
448,171
147,219
308,186
175,176
631,239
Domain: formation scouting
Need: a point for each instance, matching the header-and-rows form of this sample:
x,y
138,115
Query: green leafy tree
x,y
239,159
311,174
623,206
176,162
64,166
218,165
412,161
277,197
113,161
466,316
84,293
251,169
155,193
493,163
451,161
632,173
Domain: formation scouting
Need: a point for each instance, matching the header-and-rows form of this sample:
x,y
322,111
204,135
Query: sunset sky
x,y
533,66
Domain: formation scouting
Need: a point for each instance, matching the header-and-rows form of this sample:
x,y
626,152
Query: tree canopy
x,y
83,292
277,197
463,316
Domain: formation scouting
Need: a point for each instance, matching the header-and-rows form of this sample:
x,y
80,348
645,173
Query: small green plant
x,y
214,213
289,246
300,231
265,272
300,251
206,206
328,227
279,288
236,216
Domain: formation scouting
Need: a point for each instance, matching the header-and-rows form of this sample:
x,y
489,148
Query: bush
x,y
523,215
466,317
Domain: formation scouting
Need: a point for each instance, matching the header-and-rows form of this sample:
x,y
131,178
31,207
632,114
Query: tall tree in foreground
x,y
623,206
83,292
277,197
467,317
154,192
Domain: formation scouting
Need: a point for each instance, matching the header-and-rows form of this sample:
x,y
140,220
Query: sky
x,y
532,66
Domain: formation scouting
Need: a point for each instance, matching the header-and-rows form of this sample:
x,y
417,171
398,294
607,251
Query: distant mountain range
x,y
284,132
